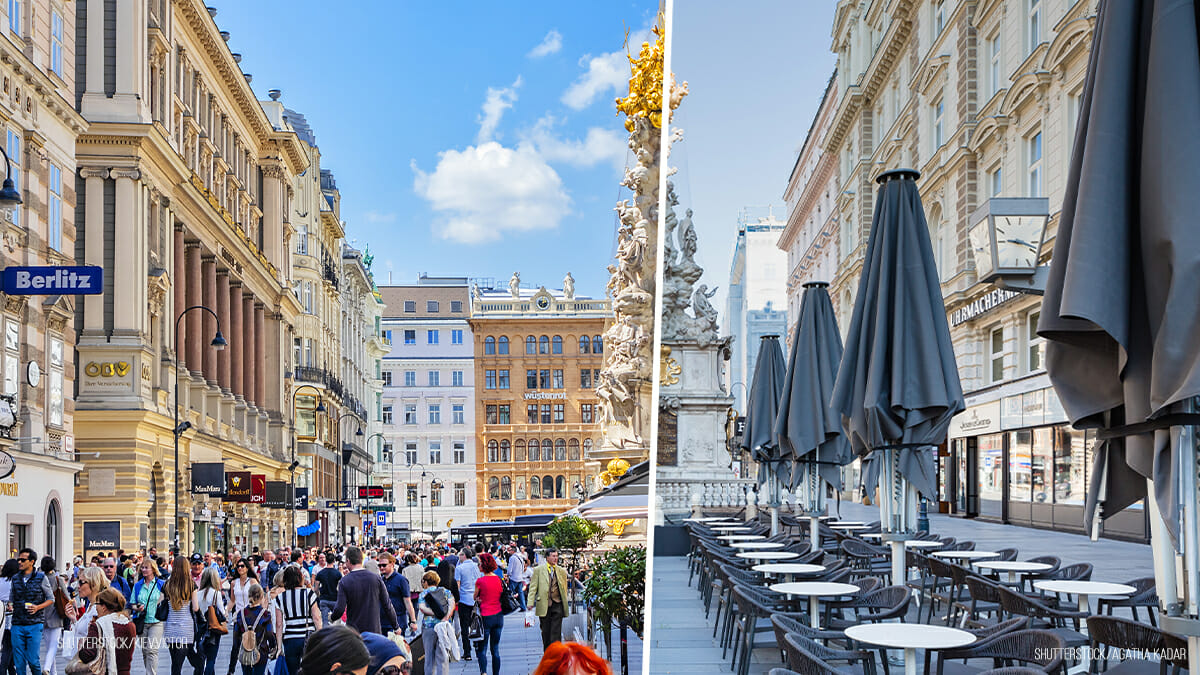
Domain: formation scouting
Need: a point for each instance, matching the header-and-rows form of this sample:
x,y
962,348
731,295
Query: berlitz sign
x,y
77,280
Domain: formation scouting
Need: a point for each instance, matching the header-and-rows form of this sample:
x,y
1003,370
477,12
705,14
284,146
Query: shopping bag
x,y
530,619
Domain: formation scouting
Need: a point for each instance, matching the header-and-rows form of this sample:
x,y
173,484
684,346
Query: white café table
x,y
922,543
872,535
1013,567
730,528
848,527
709,519
788,569
768,555
910,637
814,590
967,556
742,537
1083,589
756,544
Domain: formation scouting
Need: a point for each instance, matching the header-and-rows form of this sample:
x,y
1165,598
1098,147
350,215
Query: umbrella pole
x,y
816,503
1187,474
774,488
1164,554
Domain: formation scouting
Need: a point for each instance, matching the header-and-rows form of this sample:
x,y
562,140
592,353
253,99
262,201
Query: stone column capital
x,y
132,173
94,172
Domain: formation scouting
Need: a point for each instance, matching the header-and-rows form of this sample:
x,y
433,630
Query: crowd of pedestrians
x,y
364,608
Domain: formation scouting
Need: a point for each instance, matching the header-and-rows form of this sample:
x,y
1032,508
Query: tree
x,y
616,593
572,534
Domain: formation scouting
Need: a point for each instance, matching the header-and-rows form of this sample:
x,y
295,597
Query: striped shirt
x,y
296,605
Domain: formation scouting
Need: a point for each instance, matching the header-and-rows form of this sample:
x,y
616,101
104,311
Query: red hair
x,y
571,658
487,564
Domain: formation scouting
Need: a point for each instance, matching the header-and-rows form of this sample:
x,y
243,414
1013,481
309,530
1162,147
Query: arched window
x,y
547,487
519,450
544,345
560,450
597,345
505,488
530,344
560,487
534,452
502,345
493,451
504,450
573,449
585,345
587,447
535,488
52,530
493,488
556,344
489,345
547,450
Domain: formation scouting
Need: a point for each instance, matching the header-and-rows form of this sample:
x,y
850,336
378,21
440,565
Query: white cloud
x,y
380,217
494,105
598,145
549,45
487,191
607,72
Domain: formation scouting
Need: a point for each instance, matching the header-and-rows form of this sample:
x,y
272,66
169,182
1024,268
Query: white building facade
x,y
428,405
757,298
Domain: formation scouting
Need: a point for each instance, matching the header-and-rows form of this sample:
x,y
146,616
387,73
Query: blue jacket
x,y
118,582
137,592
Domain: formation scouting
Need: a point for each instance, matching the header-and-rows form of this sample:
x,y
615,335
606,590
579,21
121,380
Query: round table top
x,y
814,588
1013,566
741,537
708,519
909,635
1084,587
872,535
965,555
756,544
923,543
730,528
769,555
848,526
788,568
847,522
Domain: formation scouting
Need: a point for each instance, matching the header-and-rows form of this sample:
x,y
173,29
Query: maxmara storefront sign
x,y
981,305
541,395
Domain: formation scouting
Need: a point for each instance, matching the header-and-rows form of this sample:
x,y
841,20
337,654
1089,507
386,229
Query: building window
x,y
1073,102
556,344
489,379
505,413
456,306
435,378
410,337
456,337
435,413
435,452
410,454
596,376
573,450
544,379
503,379
505,451
544,345
996,181
456,378
560,450
491,414
458,414
431,306
996,345
939,18
1034,153
530,344
547,487
585,413
558,379
535,488
502,346
489,345
387,453
54,218
387,378
306,297
410,413
54,388
1035,24
560,413
460,453
14,156
939,111
587,447
531,380
435,496
56,43
585,345
546,413
585,379
387,414
1034,342
460,494
531,413
597,345
519,450
302,240
493,452
560,487
547,450
410,378
505,487
410,306
431,337
14,16
994,76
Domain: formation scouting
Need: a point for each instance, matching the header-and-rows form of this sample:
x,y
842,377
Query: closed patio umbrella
x,y
1120,313
809,430
897,386
761,408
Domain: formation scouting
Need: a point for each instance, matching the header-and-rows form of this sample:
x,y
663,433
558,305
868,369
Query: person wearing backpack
x,y
258,641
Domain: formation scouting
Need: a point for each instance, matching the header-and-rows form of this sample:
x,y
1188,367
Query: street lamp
x,y
9,197
434,484
367,443
218,343
410,468
292,469
342,460
1006,235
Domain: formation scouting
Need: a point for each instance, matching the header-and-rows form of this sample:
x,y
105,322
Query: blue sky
x,y
474,138
756,71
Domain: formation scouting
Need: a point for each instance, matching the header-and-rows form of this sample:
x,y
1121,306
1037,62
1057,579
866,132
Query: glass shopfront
x,y
990,468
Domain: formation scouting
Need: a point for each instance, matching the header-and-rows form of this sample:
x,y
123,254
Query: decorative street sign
x,y
7,464
69,280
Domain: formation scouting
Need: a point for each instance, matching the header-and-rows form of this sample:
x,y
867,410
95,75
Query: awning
x,y
612,507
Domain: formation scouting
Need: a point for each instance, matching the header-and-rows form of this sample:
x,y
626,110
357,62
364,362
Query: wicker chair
x,y
1052,618
1121,633
1053,561
961,546
1038,647
1146,596
789,622
857,660
753,605
806,663
865,585
1007,554
985,598
982,634
1177,650
1014,670
865,559
890,602
943,588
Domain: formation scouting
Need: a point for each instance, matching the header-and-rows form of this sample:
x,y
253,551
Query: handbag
x,y
216,620
434,602
509,602
163,609
63,605
475,630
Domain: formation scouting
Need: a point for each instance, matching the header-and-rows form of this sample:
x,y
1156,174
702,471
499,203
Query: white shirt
x,y
240,592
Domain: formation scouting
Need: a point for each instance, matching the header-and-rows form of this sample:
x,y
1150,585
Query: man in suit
x,y
548,591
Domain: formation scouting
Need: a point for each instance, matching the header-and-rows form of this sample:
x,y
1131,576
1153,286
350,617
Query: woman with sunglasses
x,y
91,582
239,599
147,596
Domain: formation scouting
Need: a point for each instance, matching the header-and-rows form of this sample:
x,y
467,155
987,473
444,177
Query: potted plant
x,y
616,593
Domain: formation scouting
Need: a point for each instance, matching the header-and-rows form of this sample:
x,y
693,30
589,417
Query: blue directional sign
x,y
381,518
76,280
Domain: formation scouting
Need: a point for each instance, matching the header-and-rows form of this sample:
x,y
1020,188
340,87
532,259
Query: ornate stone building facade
x,y
538,355
185,196
37,362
